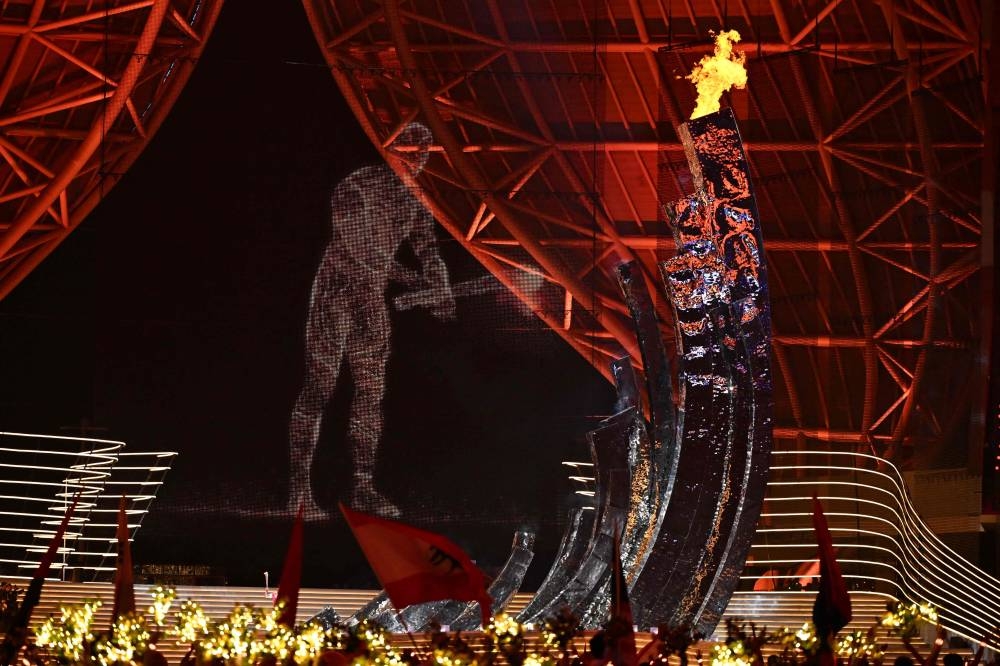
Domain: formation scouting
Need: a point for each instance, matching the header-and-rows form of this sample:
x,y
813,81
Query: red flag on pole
x,y
621,633
415,566
16,632
124,592
50,555
832,608
291,574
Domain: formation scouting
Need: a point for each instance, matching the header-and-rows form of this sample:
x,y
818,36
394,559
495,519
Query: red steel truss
x,y
84,85
864,123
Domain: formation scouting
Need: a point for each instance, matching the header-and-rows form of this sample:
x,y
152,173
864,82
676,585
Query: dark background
x,y
174,318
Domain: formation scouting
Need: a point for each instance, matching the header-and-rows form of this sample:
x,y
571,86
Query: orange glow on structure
x,y
717,73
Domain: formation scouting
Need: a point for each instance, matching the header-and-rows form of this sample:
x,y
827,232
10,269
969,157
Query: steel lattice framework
x,y
864,124
84,85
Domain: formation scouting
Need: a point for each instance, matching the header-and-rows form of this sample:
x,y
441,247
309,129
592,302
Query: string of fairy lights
x,y
252,635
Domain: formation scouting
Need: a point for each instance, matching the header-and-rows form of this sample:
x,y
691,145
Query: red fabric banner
x,y
620,629
291,574
50,555
124,591
17,631
832,608
416,566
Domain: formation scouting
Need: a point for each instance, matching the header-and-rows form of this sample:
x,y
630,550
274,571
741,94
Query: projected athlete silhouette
x,y
374,214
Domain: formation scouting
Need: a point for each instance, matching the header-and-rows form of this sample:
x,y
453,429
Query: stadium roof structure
x,y
84,85
866,125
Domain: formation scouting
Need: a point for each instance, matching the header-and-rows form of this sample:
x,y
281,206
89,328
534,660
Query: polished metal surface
x,y
717,286
613,445
456,614
378,606
505,585
722,167
653,468
572,548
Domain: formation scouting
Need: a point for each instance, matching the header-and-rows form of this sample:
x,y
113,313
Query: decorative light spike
x,y
860,643
163,599
67,636
505,635
192,623
901,620
725,655
127,643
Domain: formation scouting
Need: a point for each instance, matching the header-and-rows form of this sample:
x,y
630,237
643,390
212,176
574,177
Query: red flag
x,y
124,593
415,566
620,630
50,555
291,574
14,637
832,608
765,582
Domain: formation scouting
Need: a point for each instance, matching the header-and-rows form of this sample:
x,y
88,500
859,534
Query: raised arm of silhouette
x,y
374,213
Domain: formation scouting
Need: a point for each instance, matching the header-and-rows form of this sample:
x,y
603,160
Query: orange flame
x,y
717,73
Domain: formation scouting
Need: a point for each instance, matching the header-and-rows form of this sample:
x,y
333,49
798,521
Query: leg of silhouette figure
x,y
326,334
367,353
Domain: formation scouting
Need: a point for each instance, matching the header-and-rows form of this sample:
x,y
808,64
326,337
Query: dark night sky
x,y
174,319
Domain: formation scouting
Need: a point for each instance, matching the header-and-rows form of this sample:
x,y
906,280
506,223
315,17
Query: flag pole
x,y
14,638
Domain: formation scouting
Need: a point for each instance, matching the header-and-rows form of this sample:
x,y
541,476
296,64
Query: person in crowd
x,y
932,657
952,659
597,654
